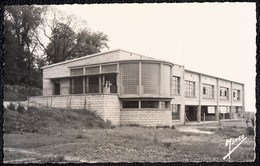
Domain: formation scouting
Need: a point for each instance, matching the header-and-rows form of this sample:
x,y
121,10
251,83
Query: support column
x,y
99,83
231,107
140,79
243,99
216,113
200,98
217,107
199,113
117,80
161,80
84,85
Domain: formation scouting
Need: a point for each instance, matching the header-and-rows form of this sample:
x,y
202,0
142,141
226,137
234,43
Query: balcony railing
x,y
96,88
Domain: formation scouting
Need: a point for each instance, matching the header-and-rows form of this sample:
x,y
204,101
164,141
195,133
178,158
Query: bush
x,y
164,127
167,145
250,131
11,106
20,108
79,136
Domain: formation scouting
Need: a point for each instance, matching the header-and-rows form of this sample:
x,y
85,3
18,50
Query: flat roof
x,y
89,56
213,76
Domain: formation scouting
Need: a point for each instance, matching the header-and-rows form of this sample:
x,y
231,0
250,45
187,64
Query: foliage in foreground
x,y
50,120
20,93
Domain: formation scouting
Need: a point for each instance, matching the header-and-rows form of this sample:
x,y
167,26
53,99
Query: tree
x,y
21,24
90,43
69,38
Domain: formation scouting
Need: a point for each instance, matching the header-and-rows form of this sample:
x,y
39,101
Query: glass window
x,y
236,94
76,85
74,72
208,91
130,104
175,85
165,104
149,104
223,93
175,112
92,70
190,88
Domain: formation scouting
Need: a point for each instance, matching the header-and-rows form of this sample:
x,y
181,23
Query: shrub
x,y
173,127
250,131
134,125
11,106
20,108
164,127
168,145
79,136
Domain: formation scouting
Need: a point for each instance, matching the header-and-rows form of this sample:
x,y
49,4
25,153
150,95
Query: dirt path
x,y
34,157
193,129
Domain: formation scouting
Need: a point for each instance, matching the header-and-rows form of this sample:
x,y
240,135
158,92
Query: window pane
x,y
190,88
208,91
175,85
175,112
149,104
223,93
92,70
130,104
76,71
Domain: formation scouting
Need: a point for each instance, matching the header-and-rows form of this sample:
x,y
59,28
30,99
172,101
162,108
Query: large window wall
x,y
145,79
94,79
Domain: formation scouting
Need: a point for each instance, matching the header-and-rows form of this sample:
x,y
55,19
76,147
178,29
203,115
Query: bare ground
x,y
128,144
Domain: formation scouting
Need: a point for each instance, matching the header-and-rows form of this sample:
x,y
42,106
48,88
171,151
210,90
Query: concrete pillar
x,y
199,113
217,107
231,98
84,85
200,98
161,80
216,113
100,83
118,79
140,79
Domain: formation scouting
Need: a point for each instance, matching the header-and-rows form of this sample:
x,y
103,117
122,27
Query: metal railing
x,y
95,88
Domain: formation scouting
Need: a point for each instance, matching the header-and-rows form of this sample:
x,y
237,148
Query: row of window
x,y
146,104
208,90
155,104
94,70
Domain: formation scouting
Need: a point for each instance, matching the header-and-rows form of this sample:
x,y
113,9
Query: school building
x,y
128,88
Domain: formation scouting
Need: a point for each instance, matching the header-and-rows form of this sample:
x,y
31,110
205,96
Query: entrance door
x,y
191,112
56,88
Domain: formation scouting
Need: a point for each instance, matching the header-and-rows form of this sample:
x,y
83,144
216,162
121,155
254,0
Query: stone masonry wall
x,y
107,106
146,117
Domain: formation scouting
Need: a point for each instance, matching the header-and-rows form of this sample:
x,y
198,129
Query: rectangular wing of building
x,y
128,88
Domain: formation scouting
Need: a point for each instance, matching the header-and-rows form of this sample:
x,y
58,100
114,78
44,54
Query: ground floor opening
x,y
191,112
208,113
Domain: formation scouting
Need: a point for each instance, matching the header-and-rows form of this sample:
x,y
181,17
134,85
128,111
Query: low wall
x,y
208,118
107,106
146,117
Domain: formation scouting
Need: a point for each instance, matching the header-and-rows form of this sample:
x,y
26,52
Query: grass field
x,y
75,141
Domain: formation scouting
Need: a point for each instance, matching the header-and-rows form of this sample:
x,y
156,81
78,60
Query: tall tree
x,y
21,24
68,37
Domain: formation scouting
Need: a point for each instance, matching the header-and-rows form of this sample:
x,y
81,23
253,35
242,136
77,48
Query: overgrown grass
x,y
20,93
50,120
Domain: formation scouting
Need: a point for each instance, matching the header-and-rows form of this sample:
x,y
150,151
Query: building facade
x,y
128,88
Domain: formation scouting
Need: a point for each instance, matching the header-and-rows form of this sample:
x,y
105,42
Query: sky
x,y
211,38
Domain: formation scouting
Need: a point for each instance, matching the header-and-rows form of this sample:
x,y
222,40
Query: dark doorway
x,y
76,85
191,113
56,88
92,84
